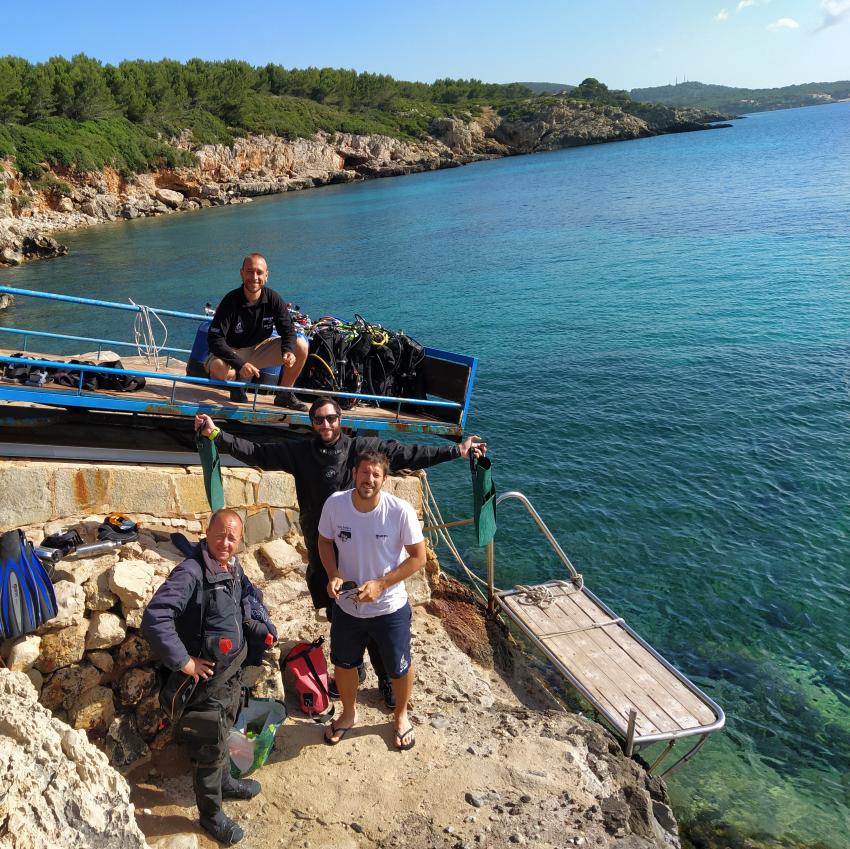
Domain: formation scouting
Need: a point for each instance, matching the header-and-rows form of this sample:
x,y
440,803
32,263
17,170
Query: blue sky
x,y
750,43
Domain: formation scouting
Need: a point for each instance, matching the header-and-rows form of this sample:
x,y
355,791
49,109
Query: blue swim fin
x,y
27,599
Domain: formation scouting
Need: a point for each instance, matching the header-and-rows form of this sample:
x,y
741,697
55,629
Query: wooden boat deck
x,y
163,395
614,668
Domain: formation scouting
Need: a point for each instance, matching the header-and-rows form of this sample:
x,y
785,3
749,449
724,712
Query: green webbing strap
x,y
211,464
483,499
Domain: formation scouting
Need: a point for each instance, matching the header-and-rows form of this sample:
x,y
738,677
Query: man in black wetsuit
x,y
194,624
240,336
324,465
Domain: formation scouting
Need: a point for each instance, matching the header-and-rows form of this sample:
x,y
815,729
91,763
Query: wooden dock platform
x,y
611,665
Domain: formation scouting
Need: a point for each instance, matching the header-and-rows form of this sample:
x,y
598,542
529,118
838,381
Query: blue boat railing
x,y
250,388
110,343
94,302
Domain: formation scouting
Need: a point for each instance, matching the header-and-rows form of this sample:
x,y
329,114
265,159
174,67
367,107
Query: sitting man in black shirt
x,y
240,336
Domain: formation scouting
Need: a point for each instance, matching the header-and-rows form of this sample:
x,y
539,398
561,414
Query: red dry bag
x,y
307,663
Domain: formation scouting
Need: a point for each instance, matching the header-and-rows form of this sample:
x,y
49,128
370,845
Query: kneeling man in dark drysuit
x,y
194,624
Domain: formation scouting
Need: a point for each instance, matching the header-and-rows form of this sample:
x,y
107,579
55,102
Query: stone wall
x,y
38,492
89,665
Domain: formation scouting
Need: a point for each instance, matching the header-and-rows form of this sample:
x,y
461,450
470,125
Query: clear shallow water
x,y
672,316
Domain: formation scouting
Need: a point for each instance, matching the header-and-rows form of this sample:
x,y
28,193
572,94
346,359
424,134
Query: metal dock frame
x,y
499,600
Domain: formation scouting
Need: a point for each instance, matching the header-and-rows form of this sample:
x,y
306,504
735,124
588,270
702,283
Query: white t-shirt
x,y
370,545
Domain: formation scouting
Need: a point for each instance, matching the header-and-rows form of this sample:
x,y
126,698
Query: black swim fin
x,y
27,599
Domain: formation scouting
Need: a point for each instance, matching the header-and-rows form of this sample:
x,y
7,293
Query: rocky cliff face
x,y
56,788
261,165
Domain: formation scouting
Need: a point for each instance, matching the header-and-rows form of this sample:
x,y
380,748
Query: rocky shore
x,y
262,165
497,763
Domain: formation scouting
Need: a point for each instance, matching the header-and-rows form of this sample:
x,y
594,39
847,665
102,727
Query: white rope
x,y
433,516
144,336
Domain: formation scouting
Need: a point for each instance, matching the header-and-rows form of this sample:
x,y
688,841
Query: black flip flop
x,y
335,729
401,745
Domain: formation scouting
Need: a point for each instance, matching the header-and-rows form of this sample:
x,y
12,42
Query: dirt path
x,y
495,765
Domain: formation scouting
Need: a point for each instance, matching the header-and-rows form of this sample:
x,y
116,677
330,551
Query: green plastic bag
x,y
251,739
483,500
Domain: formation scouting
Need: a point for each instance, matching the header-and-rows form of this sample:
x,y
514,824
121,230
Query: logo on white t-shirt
x,y
344,534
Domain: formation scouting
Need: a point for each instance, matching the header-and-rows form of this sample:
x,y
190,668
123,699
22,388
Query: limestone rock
x,y
98,595
258,527
102,660
93,710
42,247
22,653
132,582
169,197
70,606
9,256
24,501
280,557
250,566
278,595
36,679
105,630
82,570
57,789
277,489
135,685
133,618
62,648
67,685
408,488
134,651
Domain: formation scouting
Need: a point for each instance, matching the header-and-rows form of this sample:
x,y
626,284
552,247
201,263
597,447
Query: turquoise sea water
x,y
664,343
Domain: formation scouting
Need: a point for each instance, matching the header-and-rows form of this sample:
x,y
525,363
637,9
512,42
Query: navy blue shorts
x,y
391,632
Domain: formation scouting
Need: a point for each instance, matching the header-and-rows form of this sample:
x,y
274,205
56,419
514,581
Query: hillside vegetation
x,y
739,101
81,114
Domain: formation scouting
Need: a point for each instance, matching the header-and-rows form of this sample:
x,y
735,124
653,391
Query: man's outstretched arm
x,y
413,457
269,456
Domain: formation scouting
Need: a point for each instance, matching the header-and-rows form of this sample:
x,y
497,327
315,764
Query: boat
x,y
169,394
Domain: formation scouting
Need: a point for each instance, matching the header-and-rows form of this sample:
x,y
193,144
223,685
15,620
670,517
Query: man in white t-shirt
x,y
380,543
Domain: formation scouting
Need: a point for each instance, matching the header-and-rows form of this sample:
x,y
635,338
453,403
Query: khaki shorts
x,y
266,354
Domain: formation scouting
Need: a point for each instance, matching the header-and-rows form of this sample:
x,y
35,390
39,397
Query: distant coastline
x,y
221,174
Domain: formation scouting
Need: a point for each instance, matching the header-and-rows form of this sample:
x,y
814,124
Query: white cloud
x,y
721,16
834,12
744,3
783,23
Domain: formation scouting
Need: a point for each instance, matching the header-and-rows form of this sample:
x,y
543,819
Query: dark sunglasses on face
x,y
333,418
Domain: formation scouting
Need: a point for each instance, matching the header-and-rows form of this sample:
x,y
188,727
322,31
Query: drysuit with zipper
x,y
320,470
199,611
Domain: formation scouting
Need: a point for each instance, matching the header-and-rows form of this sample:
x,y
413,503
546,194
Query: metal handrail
x,y
491,595
93,302
44,334
254,388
